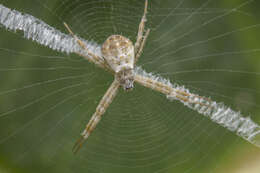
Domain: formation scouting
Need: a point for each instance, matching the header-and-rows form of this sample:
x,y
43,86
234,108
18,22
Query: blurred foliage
x,y
142,131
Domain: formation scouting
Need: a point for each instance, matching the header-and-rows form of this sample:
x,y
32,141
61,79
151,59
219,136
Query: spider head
x,y
126,79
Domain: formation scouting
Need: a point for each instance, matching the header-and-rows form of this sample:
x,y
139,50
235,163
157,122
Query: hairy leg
x,y
92,58
100,110
138,54
141,29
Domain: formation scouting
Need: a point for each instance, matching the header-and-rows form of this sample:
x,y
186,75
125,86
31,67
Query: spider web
x,y
47,97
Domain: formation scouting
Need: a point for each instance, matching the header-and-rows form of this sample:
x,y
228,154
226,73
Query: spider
x,y
119,56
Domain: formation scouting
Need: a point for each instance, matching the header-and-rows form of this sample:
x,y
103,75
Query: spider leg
x,y
96,117
93,58
140,34
168,90
138,54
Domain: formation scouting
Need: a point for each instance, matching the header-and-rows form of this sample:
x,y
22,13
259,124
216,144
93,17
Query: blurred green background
x,y
47,97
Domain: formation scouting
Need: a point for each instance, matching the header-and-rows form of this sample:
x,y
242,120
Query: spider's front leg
x,y
141,37
100,110
168,90
90,56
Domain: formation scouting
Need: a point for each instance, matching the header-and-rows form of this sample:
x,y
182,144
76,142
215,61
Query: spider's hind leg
x,y
96,117
78,145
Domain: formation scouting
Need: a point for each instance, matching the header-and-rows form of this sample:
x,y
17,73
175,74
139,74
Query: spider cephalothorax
x,y
118,52
126,79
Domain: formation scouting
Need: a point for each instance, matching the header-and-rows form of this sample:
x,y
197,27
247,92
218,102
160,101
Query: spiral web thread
x,y
46,35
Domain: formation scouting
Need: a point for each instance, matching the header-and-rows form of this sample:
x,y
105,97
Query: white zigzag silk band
x,y
42,33
46,35
217,112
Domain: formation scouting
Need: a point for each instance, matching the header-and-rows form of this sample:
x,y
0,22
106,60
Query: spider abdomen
x,y
118,51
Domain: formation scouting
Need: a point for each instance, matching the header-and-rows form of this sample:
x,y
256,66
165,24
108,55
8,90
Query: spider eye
x,y
129,85
126,79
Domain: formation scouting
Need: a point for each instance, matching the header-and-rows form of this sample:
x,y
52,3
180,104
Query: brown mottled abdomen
x,y
118,51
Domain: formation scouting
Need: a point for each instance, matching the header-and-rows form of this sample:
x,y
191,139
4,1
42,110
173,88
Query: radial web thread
x,y
46,35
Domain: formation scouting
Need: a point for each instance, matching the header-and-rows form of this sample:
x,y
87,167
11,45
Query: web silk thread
x,y
46,35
